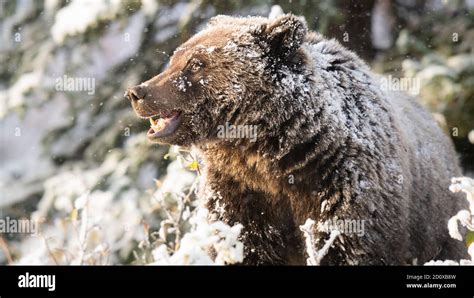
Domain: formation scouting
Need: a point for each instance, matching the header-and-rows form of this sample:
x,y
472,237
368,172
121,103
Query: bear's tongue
x,y
161,125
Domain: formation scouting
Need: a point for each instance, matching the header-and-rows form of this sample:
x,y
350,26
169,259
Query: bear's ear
x,y
284,34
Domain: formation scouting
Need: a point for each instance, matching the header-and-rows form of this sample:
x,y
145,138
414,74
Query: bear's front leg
x,y
269,233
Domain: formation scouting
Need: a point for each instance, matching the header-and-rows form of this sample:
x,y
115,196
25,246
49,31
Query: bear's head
x,y
217,77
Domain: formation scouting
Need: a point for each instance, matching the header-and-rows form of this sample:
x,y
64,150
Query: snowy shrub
x,y
80,15
100,216
444,81
464,218
198,245
185,236
315,256
88,216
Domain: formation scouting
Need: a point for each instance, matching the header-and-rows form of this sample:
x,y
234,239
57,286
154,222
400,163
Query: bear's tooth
x,y
160,123
157,125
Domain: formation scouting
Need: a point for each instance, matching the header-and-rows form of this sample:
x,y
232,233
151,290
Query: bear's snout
x,y
136,93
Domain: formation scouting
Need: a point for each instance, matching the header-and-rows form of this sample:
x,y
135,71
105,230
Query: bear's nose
x,y
136,93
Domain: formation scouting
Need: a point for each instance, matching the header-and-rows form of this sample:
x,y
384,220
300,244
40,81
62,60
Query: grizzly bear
x,y
309,134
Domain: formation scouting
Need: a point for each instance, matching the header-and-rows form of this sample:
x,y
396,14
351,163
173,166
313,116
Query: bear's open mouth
x,y
163,125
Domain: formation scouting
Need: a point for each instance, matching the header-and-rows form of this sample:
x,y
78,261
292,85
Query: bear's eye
x,y
195,65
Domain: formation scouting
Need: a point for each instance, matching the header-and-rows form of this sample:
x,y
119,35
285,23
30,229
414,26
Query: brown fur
x,y
331,144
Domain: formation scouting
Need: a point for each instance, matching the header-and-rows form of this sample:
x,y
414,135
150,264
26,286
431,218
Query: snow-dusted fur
x,y
331,144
